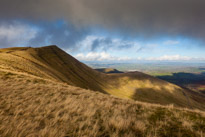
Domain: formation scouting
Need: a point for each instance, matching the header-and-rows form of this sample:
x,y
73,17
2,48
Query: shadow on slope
x,y
108,70
182,78
191,81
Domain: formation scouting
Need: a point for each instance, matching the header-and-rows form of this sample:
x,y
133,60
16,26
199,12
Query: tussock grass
x,y
31,106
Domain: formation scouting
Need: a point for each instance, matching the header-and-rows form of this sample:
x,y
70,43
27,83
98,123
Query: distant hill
x,y
54,64
108,70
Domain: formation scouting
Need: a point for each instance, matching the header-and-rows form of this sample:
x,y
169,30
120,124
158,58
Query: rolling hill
x,y
46,92
34,106
52,63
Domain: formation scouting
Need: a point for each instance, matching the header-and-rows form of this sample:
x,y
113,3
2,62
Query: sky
x,y
108,30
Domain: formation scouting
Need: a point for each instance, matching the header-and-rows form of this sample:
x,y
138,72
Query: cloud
x,y
171,58
146,18
58,33
103,56
15,34
99,56
25,33
101,43
171,42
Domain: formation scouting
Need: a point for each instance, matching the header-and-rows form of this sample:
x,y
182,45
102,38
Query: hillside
x,y
193,81
33,106
108,70
54,64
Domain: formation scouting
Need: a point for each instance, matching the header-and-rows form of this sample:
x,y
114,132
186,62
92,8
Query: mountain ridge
x,y
52,63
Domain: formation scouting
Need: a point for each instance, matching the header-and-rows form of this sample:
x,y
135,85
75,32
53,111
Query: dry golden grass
x,y
54,64
32,106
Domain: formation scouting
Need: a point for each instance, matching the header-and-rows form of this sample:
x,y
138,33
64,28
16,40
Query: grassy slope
x,y
32,106
51,63
54,64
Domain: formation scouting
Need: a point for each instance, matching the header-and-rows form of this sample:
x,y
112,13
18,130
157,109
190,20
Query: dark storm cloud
x,y
146,18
